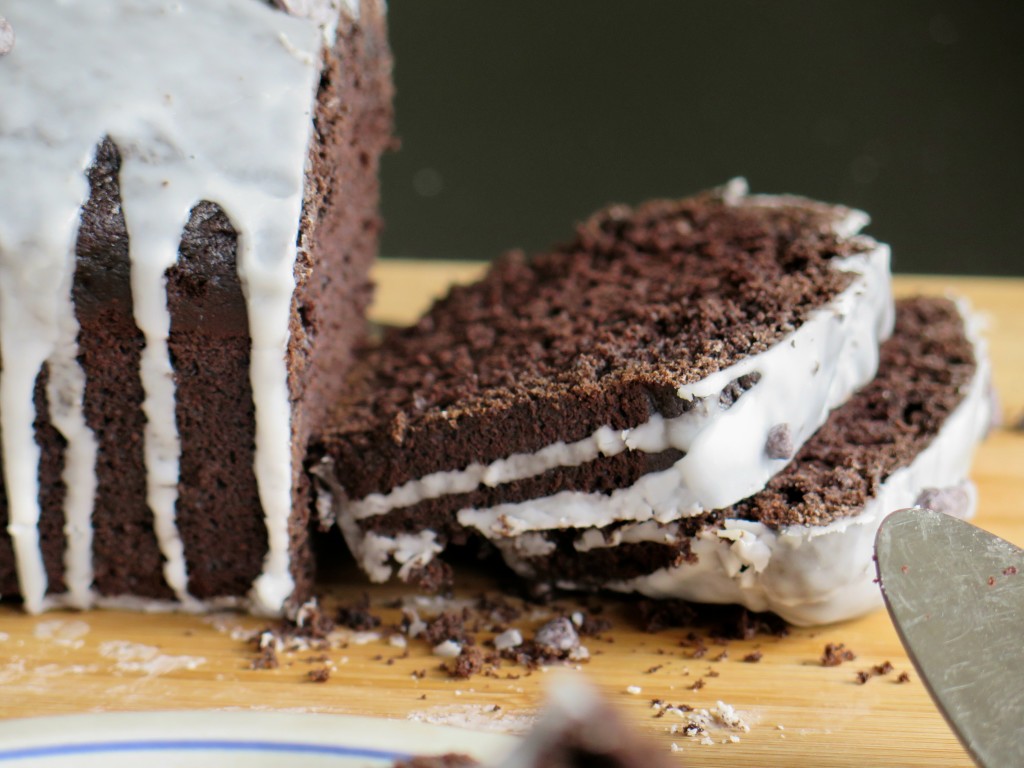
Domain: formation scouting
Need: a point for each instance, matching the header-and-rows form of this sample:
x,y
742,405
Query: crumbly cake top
x,y
924,373
665,293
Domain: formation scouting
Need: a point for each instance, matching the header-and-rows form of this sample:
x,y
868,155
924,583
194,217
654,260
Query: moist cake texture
x,y
678,351
183,276
802,546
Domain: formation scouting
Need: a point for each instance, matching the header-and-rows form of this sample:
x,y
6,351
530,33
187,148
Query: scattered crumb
x,y
904,677
634,690
266,659
876,671
469,662
753,657
320,675
835,654
449,625
357,616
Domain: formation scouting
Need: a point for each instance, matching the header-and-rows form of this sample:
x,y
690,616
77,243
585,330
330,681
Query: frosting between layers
x,y
229,122
725,461
806,574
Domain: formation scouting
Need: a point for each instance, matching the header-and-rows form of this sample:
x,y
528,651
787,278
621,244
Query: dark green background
x,y
519,117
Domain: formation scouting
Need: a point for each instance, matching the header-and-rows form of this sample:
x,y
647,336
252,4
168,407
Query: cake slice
x,y
668,360
188,212
803,546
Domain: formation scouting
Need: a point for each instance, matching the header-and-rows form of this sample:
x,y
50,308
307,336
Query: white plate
x,y
250,739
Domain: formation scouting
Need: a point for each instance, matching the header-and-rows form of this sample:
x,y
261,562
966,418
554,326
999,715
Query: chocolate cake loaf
x,y
188,212
803,546
668,360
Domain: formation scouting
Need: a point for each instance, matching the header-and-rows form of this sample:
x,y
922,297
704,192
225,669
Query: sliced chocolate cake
x,y
668,360
188,212
803,546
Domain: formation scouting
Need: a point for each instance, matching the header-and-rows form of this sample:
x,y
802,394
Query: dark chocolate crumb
x,y
697,684
904,677
267,659
469,662
735,389
321,675
1010,570
449,626
876,671
835,654
753,657
779,444
652,670
593,627
435,577
357,616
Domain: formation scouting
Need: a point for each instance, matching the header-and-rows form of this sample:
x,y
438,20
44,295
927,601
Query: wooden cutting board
x,y
799,712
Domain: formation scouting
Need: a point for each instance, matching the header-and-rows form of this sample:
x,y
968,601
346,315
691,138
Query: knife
x,y
956,596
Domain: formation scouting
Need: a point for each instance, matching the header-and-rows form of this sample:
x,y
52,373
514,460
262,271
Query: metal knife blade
x,y
956,596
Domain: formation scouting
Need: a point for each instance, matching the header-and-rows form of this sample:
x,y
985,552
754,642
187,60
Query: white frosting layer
x,y
205,101
806,574
809,372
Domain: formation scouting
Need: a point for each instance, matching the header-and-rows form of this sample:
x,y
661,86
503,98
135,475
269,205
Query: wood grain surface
x,y
800,713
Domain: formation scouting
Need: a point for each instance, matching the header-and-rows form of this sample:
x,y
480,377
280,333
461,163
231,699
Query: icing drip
x,y
205,101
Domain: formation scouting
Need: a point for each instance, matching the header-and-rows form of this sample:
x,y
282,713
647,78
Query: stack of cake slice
x,y
686,400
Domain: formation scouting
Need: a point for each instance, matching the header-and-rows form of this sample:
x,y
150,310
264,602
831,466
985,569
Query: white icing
x,y
806,574
205,101
831,354
65,393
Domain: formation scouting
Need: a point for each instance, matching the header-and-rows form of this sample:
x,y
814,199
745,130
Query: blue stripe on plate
x,y
219,745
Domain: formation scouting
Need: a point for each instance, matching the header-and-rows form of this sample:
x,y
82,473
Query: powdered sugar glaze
x,y
205,101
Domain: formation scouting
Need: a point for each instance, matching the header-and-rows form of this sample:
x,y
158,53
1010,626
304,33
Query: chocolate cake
x,y
667,360
188,212
803,546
